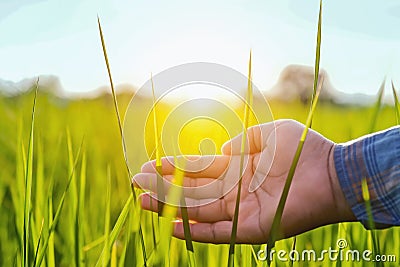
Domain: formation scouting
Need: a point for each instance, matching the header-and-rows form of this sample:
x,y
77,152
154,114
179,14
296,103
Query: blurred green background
x,y
92,122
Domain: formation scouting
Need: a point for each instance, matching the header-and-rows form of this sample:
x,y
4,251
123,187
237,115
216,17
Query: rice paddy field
x,y
66,197
74,156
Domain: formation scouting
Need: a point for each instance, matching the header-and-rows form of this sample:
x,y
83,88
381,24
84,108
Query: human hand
x,y
315,197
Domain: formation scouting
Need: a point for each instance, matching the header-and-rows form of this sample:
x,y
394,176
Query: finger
x,y
217,233
255,140
262,164
211,212
195,166
198,188
149,201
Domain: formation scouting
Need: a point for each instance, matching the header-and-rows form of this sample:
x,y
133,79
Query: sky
x,y
360,39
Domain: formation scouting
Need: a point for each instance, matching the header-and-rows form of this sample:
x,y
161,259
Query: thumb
x,y
233,146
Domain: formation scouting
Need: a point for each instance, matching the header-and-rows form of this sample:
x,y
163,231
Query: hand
x,y
315,197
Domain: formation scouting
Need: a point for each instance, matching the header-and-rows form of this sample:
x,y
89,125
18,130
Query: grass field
x,y
78,141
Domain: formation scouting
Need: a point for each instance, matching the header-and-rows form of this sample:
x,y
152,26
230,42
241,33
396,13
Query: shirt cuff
x,y
376,158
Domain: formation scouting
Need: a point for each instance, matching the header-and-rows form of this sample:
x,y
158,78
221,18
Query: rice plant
x,y
377,106
396,103
247,109
28,187
121,131
275,231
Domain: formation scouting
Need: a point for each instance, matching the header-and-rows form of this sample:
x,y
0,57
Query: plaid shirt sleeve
x,y
376,158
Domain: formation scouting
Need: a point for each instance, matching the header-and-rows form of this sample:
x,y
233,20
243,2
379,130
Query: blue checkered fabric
x,y
376,158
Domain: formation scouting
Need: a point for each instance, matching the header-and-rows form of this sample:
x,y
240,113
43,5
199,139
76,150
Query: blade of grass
x,y
187,233
275,231
396,103
153,227
49,211
17,191
186,230
169,212
254,256
291,262
40,198
377,107
125,243
58,211
94,243
317,56
371,223
40,201
72,200
28,183
117,227
34,232
106,249
158,173
50,255
121,133
245,256
317,53
81,211
114,255
38,242
364,184
132,243
248,105
160,182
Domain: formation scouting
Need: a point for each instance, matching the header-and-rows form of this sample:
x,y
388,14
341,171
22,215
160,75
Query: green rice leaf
x,y
125,244
157,138
40,199
114,95
106,249
121,133
275,233
158,172
248,106
175,193
291,262
169,213
94,243
396,103
371,223
275,228
117,228
364,184
50,255
114,255
187,233
58,212
28,185
377,107
317,53
72,200
81,211
39,240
